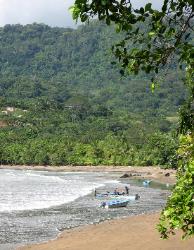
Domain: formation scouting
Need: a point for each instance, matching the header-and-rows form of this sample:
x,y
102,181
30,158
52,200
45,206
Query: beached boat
x,y
107,194
146,182
126,197
101,195
118,196
115,203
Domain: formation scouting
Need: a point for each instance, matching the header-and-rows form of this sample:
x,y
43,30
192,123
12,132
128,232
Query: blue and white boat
x,y
101,195
114,203
115,196
126,197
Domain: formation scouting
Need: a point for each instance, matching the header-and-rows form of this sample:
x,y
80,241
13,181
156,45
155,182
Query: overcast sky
x,y
51,12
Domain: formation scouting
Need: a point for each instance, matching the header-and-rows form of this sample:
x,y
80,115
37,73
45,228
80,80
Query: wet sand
x,y
133,233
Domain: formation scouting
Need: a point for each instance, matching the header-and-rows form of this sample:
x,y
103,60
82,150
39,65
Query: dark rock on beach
x,y
126,175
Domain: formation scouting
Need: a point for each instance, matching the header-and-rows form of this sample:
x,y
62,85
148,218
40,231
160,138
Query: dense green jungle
x,y
62,101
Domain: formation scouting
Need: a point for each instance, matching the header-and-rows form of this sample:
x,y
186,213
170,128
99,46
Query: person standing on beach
x,y
127,190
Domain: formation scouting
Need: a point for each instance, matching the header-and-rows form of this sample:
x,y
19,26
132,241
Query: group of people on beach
x,y
117,191
121,192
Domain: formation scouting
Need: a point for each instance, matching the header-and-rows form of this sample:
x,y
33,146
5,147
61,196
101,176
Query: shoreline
x,y
38,226
166,176
131,233
59,243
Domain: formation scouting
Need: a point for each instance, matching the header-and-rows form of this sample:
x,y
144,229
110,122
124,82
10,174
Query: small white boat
x,y
114,203
126,197
118,196
146,182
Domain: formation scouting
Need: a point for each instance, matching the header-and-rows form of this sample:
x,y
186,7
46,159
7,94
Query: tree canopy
x,y
167,37
60,102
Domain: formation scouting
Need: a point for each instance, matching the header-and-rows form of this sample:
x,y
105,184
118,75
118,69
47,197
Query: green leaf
x,y
151,33
141,10
118,28
148,7
153,86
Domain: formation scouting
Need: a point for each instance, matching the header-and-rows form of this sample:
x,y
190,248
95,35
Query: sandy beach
x,y
153,173
133,233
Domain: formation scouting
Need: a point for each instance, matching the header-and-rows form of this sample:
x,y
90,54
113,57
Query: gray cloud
x,y
51,12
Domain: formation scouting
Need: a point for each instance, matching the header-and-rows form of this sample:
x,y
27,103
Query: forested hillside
x,y
63,102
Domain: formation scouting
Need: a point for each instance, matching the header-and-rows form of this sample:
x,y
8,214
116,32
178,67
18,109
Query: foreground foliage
x,y
180,207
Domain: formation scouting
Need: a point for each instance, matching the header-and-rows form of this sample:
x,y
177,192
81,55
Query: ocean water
x,y
29,190
32,201
36,206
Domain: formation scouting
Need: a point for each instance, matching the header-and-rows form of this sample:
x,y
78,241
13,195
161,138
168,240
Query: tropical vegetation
x,y
63,102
